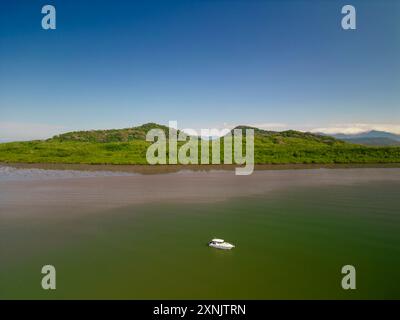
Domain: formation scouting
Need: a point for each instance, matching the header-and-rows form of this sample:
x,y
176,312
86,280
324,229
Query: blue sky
x,y
206,64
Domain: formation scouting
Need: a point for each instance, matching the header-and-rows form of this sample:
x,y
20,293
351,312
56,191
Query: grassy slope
x,y
127,146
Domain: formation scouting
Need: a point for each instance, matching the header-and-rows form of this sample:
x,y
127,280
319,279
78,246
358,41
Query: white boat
x,y
220,244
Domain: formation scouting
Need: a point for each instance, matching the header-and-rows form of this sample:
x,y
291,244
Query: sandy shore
x,y
73,193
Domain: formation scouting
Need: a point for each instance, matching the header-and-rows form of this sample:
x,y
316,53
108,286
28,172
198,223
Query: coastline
x,y
159,169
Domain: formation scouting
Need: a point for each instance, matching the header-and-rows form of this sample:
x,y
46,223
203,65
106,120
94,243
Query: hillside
x,y
128,146
113,135
291,136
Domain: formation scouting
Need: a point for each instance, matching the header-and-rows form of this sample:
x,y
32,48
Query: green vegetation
x,y
128,146
113,135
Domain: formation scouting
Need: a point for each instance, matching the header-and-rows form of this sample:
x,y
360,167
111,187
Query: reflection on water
x,y
8,173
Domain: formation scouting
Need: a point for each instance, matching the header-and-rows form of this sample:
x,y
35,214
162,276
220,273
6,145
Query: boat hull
x,y
222,246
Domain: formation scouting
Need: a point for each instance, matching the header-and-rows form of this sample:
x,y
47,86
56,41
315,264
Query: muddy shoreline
x,y
159,169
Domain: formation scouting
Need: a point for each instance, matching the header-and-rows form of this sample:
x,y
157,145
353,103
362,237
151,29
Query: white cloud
x,y
273,126
207,132
18,131
270,126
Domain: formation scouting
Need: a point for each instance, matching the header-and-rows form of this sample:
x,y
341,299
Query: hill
x,y
291,136
128,146
113,135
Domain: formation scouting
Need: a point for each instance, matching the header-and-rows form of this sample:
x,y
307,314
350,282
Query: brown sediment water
x,y
28,190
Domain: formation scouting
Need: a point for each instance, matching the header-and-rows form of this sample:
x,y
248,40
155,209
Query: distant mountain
x,y
374,141
371,138
368,134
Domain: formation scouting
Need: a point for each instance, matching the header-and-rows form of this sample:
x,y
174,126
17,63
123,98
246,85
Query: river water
x,y
134,236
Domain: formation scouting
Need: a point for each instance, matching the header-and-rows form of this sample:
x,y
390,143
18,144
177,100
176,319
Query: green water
x,y
290,244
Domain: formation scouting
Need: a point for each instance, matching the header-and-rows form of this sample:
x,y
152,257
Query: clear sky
x,y
207,64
